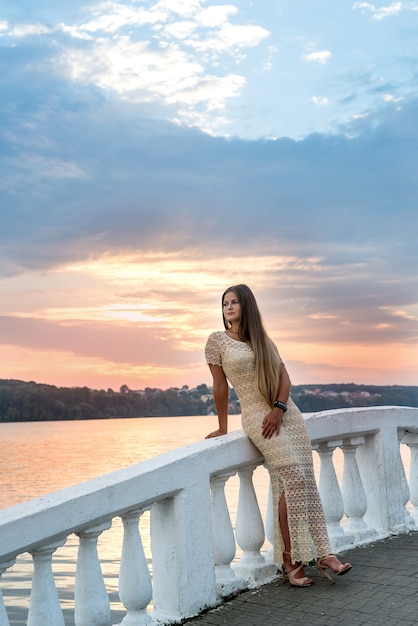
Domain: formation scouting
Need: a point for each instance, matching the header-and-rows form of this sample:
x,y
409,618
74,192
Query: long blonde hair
x,y
251,330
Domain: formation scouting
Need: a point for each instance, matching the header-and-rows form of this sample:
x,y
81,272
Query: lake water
x,y
40,457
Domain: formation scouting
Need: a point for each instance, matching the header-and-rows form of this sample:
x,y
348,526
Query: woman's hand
x,y
216,433
271,423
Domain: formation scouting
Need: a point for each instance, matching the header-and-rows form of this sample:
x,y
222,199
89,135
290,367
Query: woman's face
x,y
231,307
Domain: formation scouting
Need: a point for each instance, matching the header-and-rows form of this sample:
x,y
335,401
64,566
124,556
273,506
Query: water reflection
x,y
41,457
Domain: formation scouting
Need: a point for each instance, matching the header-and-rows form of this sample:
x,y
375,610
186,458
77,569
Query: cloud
x,y
179,65
158,298
127,344
319,101
321,56
126,209
40,167
379,13
99,178
391,98
25,30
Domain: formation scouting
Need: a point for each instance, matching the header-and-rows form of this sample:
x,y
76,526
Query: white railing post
x,y
135,589
182,553
378,462
92,606
4,620
44,605
411,440
249,531
354,496
409,521
331,498
223,538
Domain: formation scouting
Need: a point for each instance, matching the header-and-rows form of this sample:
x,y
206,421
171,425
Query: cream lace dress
x,y
288,455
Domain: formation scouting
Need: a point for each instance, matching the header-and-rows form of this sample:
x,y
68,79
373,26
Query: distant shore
x,y
22,401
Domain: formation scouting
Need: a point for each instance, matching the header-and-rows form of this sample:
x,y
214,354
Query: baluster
x,y
332,500
409,522
135,589
223,538
411,440
4,620
354,496
44,605
182,553
250,533
92,606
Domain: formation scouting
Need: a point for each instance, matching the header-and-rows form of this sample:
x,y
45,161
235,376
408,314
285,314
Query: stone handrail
x,y
193,543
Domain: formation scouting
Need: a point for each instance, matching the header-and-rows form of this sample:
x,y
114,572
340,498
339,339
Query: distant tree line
x,y
311,398
28,401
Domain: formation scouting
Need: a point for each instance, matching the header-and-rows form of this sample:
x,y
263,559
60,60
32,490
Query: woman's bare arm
x,y
220,395
284,384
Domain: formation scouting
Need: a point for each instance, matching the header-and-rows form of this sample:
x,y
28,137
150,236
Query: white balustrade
x,y
331,497
223,538
4,565
354,496
249,531
135,589
192,538
409,520
378,463
411,440
182,550
44,606
92,606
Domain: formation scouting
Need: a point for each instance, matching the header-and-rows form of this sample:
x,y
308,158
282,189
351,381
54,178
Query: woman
x,y
247,357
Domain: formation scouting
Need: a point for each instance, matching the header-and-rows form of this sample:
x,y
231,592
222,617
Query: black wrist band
x,y
280,405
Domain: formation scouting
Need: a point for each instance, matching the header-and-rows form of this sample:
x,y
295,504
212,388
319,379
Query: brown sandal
x,y
342,568
291,575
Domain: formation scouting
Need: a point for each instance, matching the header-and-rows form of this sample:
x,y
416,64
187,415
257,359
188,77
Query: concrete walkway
x,y
382,588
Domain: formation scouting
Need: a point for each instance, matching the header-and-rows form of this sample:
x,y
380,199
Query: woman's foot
x,y
294,572
331,562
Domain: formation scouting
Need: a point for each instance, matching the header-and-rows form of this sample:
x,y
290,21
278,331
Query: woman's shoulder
x,y
214,348
216,338
217,334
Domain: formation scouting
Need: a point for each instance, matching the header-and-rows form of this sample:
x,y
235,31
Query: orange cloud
x,y
142,320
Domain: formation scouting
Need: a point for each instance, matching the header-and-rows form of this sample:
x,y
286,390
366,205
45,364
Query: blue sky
x,y
153,153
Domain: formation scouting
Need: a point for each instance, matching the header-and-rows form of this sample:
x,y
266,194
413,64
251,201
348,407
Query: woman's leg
x,y
284,525
287,562
296,570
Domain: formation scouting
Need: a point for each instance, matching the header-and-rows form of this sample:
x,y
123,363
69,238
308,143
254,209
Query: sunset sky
x,y
153,153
